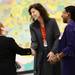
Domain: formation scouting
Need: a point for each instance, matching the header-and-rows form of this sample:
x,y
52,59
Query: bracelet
x,y
58,57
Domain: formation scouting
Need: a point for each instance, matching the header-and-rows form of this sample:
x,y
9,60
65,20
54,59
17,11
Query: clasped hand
x,y
53,58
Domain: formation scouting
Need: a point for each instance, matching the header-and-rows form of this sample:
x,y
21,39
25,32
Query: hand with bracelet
x,y
60,56
56,58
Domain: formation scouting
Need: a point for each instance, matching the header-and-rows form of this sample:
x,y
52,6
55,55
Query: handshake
x,y
54,58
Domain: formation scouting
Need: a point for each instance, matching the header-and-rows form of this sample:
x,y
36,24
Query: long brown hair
x,y
41,10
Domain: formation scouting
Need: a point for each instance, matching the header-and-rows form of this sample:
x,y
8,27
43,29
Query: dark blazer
x,y
52,34
8,50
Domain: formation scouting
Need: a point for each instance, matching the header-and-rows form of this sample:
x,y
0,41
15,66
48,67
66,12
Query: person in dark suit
x,y
44,35
8,50
66,45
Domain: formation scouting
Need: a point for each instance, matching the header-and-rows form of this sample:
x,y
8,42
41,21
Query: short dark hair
x,y
41,10
71,10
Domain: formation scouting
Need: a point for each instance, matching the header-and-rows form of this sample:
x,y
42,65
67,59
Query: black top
x,y
8,51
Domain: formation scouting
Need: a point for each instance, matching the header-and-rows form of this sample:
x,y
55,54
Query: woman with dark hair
x,y
42,11
44,36
66,46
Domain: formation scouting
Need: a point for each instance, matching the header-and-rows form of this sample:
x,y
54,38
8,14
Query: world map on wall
x,y
14,14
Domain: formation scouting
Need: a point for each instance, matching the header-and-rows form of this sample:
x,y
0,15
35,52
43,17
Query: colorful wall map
x,y
14,15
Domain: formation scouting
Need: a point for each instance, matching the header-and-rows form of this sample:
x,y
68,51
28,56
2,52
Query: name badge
x,y
45,43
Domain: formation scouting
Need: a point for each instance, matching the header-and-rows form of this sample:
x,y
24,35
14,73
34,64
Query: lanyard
x,y
43,31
